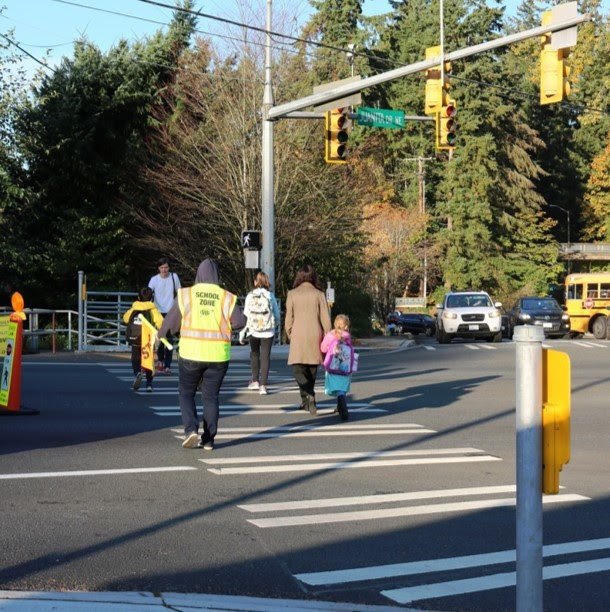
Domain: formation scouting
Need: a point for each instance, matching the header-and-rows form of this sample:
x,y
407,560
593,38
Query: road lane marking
x,y
495,581
337,502
489,348
263,435
348,456
598,345
472,347
428,348
334,427
585,344
426,566
308,467
364,515
178,468
233,390
247,411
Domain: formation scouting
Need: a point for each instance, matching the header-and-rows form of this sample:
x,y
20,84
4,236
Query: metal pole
x,y
341,91
528,346
442,45
267,203
79,344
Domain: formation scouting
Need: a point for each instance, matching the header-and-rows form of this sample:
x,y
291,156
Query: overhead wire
x,y
38,61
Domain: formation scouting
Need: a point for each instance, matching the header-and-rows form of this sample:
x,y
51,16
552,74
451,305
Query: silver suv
x,y
468,314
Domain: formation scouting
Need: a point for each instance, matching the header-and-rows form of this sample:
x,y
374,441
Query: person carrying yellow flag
x,y
141,337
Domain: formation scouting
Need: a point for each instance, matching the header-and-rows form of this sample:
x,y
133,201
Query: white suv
x,y
468,314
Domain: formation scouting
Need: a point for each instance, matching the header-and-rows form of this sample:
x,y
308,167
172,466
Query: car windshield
x,y
540,304
469,300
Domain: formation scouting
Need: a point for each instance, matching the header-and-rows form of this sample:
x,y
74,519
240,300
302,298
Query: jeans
x,y
212,375
136,363
164,355
260,354
305,375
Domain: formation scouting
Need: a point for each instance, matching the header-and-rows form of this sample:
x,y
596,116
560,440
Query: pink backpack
x,y
339,358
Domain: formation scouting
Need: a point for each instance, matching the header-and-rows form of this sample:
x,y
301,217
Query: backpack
x,y
260,312
133,333
340,357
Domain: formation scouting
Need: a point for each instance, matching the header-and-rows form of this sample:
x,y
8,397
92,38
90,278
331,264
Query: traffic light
x,y
554,69
555,417
446,126
436,92
338,126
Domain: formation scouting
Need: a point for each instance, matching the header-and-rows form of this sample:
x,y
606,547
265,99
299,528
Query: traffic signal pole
x,y
341,91
267,196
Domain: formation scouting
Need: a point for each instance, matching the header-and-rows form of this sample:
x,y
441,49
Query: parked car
x,y
541,311
468,314
414,323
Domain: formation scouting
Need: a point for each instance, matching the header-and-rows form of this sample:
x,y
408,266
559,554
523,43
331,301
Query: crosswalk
x,y
413,580
482,346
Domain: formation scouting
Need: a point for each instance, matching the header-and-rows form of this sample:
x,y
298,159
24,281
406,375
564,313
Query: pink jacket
x,y
330,337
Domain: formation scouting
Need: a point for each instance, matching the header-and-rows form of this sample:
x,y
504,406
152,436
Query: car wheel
x,y
442,337
599,328
497,337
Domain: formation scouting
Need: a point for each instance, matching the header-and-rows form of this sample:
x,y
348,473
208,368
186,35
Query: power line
x,y
12,42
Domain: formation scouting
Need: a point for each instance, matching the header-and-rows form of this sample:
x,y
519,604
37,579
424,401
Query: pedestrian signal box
x,y
555,417
251,239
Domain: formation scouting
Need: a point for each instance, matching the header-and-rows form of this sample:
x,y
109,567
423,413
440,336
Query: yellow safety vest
x,y
205,334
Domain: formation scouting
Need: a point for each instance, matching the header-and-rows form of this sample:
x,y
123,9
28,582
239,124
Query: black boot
x,y
311,404
342,407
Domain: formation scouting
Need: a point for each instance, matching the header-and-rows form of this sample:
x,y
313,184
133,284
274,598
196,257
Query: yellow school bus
x,y
587,298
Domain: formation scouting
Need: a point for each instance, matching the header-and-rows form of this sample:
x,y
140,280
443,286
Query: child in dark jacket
x,y
144,307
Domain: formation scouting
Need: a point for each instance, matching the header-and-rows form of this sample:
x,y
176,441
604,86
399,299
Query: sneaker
x,y
167,371
159,366
209,445
149,388
190,441
263,390
254,385
137,381
342,407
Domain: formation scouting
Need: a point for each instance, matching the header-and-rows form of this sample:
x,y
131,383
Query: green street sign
x,y
380,117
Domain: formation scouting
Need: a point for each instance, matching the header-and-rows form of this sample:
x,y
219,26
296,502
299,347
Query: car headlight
x,y
565,317
449,315
524,316
494,314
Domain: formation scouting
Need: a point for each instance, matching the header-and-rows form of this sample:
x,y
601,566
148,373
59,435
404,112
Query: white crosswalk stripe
x,y
339,461
318,431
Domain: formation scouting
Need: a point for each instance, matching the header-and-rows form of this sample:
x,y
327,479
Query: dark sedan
x,y
413,323
540,311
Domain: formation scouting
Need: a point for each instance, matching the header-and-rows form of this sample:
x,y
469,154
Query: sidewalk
x,y
37,601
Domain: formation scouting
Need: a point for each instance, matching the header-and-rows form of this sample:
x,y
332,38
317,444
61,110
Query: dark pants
x,y
164,355
136,363
305,375
212,375
260,354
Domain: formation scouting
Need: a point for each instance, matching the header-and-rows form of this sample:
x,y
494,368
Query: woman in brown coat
x,y
307,321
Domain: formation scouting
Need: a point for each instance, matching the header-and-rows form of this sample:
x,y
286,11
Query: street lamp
x,y
567,212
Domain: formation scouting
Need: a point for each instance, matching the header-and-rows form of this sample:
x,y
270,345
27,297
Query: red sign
x,y
589,303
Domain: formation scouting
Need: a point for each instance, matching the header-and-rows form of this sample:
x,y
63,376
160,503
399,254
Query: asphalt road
x,y
411,502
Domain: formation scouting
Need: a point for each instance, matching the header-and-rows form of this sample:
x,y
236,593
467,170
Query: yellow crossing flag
x,y
148,345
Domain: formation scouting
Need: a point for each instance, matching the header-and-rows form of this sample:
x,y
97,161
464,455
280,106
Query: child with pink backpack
x,y
339,362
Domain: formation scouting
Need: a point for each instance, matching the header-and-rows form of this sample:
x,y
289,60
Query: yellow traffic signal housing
x,y
555,417
554,69
338,126
436,88
446,126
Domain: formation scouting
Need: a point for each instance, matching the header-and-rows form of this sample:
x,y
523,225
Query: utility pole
x,y
421,189
267,178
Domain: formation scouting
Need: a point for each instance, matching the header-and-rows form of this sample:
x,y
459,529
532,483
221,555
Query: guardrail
x,y
53,328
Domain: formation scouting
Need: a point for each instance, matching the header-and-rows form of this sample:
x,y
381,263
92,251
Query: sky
x,y
50,27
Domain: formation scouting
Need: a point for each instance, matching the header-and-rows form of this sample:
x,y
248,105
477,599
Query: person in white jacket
x,y
263,314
